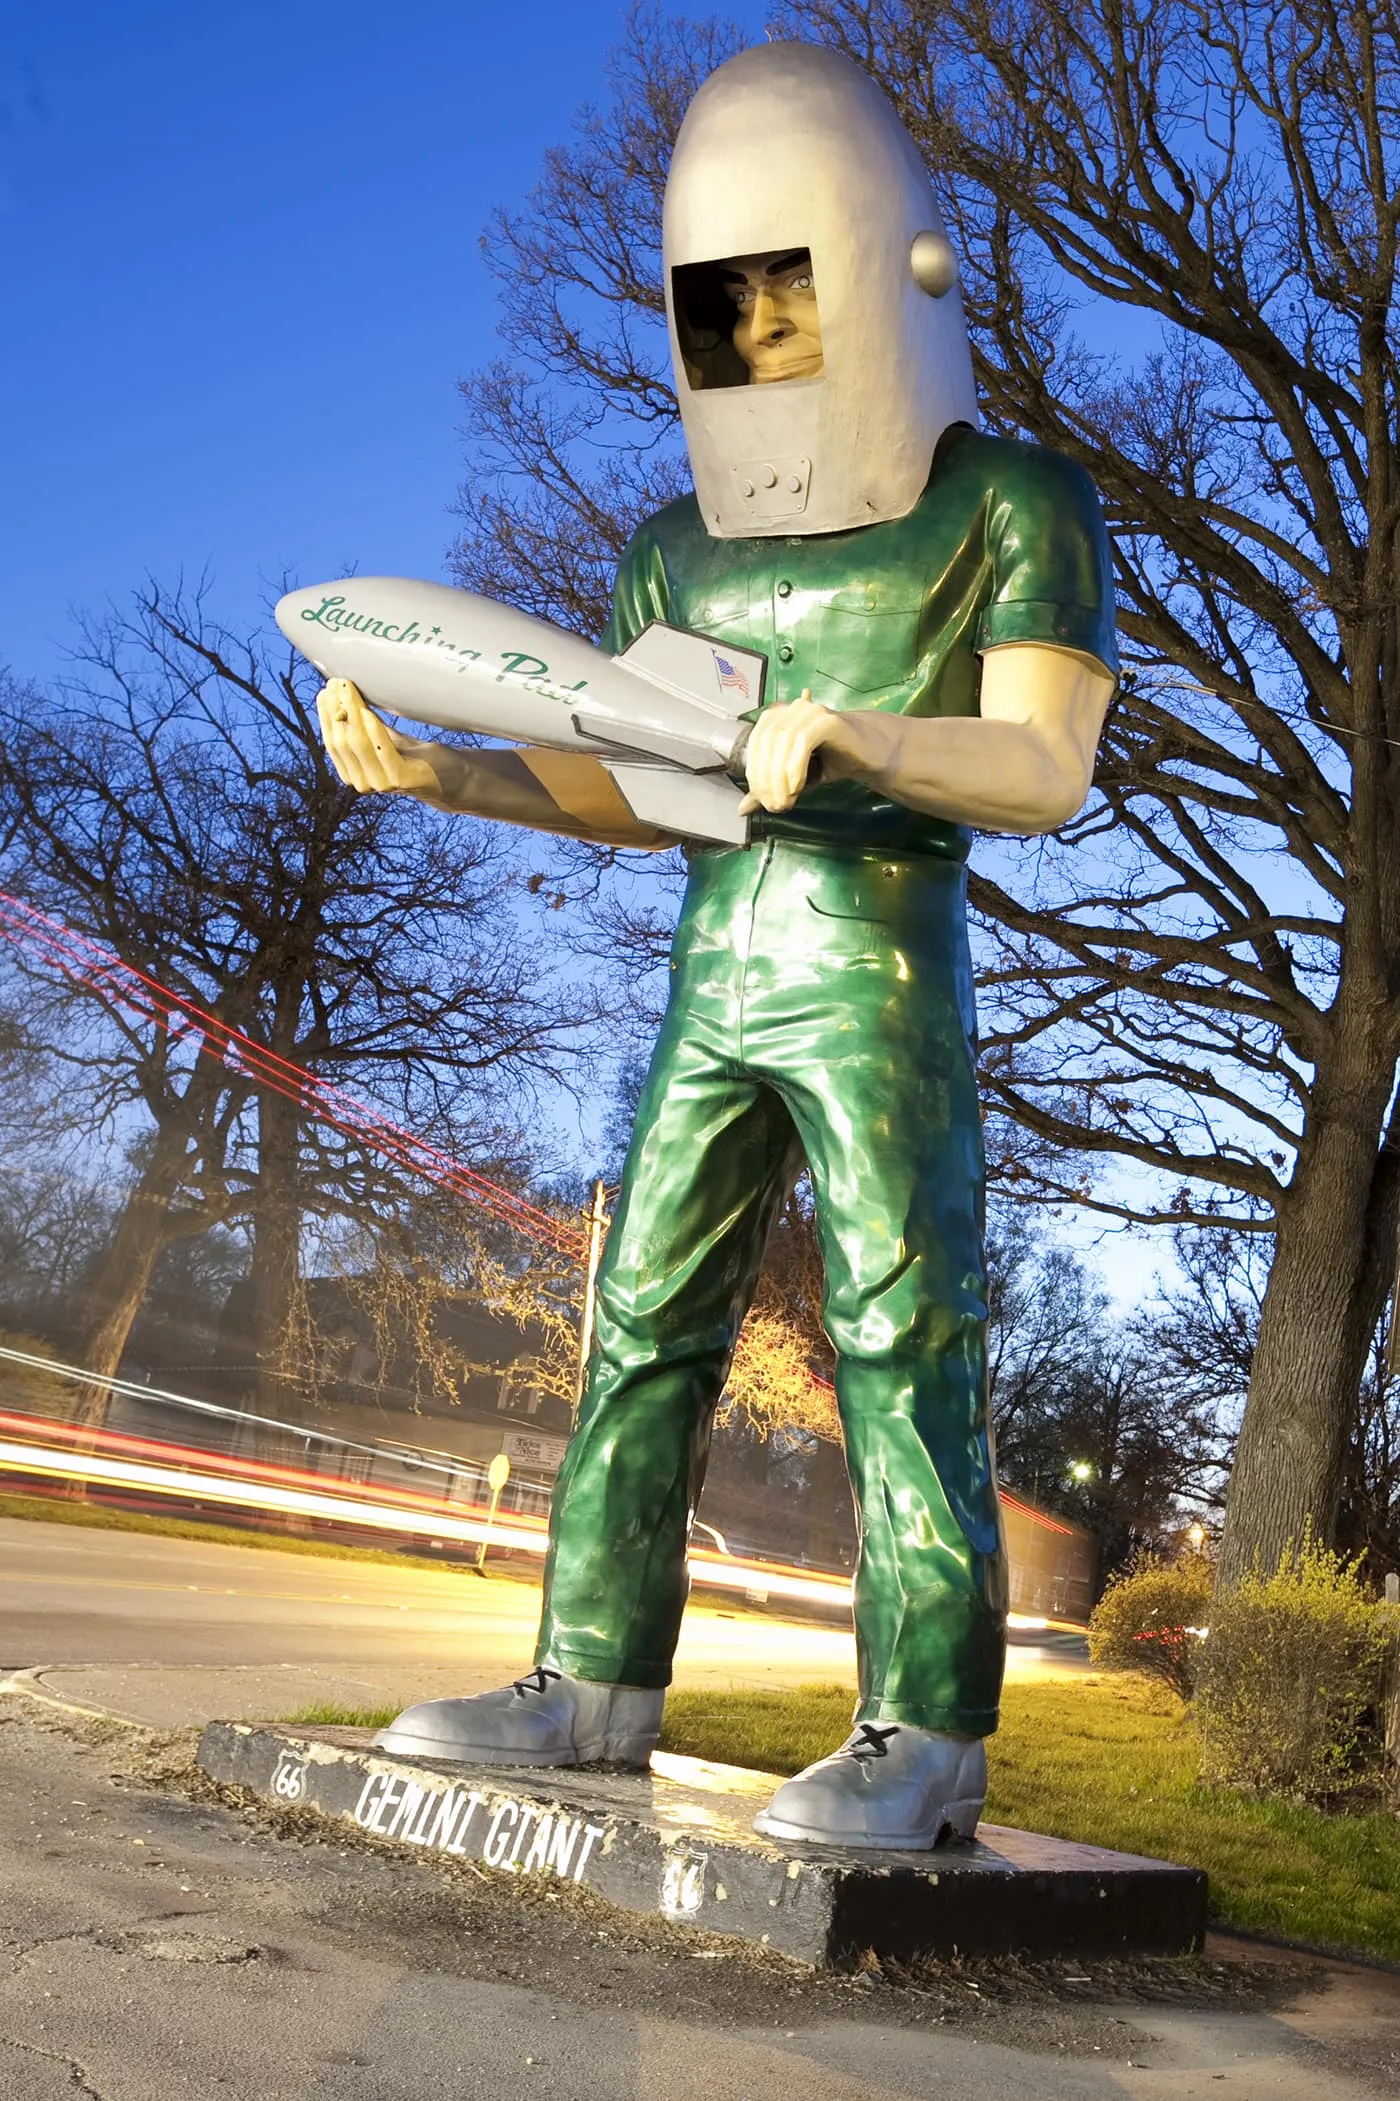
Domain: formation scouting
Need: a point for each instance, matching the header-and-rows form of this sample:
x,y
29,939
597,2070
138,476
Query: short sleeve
x,y
640,592
1052,567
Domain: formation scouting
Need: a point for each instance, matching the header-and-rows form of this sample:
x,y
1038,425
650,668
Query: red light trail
x,y
35,1447
120,984
85,961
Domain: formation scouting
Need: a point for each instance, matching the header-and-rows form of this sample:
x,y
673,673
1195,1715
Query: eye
x,y
742,295
802,284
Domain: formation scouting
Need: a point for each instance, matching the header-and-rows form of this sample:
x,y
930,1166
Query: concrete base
x,y
678,1842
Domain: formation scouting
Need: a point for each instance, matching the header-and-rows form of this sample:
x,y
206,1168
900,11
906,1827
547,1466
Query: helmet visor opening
x,y
748,320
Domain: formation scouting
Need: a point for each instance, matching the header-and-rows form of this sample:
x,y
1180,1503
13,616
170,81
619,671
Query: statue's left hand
x,y
782,745
368,755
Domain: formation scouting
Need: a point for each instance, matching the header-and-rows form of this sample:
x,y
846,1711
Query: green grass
x,y
325,1714
1112,1762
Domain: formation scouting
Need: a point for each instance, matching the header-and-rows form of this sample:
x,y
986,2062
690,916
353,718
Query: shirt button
x,y
785,589
785,653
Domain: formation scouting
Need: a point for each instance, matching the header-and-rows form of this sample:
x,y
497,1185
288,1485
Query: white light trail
x,y
56,1464
426,1521
711,1571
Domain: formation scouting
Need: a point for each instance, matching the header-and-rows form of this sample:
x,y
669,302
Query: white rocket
x,y
669,718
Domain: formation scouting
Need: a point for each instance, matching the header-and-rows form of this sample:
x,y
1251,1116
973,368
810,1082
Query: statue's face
x,y
778,331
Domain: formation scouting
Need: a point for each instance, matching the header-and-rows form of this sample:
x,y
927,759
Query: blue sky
x,y
241,251
240,254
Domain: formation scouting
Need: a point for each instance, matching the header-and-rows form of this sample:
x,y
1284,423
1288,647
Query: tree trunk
x,y
143,1232
122,1282
1314,1330
830,1515
275,1257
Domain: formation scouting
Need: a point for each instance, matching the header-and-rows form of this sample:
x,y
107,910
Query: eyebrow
x,y
774,269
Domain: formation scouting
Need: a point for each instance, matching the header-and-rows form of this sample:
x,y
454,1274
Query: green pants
x,y
821,1004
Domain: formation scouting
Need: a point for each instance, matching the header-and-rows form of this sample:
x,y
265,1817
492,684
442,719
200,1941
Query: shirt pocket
x,y
721,613
868,636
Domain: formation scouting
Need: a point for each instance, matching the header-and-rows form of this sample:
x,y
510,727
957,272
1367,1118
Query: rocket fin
x,y
724,681
692,805
690,753
646,743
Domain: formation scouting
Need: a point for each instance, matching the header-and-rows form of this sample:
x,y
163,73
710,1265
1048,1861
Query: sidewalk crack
x,y
77,2070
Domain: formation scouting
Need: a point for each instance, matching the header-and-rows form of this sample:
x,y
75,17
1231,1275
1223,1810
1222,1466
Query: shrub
x,y
1289,1693
1150,1619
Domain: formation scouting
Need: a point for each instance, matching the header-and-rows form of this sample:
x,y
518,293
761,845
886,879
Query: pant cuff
x,y
605,1666
948,1721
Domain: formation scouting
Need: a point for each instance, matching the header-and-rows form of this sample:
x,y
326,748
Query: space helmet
x,y
787,149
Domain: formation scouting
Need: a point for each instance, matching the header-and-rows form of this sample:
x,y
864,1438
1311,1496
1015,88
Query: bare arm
x,y
1023,765
545,791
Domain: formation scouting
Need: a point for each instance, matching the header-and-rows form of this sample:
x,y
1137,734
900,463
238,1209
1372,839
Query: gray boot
x,y
888,1786
542,1719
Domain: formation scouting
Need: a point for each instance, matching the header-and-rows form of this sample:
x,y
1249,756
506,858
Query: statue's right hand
x,y
364,751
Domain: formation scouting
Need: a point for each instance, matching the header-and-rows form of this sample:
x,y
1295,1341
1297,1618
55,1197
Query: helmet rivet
x,y
770,477
933,262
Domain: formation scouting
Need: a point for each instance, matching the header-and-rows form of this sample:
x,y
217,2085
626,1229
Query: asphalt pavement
x,y
159,1940
172,1631
159,1945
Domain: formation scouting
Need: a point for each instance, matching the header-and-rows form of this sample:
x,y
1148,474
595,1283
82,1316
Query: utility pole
x,y
597,1220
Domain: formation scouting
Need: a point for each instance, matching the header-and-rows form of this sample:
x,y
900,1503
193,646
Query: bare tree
x,y
1200,1338
55,1212
406,1268
1046,1318
1177,220
174,802
1091,1414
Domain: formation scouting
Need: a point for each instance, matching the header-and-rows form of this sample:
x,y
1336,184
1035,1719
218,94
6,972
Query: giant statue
x,y
935,609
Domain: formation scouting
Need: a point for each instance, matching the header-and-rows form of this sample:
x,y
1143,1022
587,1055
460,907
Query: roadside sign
x,y
544,1455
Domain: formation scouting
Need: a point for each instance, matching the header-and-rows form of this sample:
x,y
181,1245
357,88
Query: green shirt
x,y
1006,544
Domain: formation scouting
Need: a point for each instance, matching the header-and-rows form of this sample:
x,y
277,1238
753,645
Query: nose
x,y
769,326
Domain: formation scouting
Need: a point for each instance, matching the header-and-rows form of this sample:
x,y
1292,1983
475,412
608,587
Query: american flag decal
x,y
731,678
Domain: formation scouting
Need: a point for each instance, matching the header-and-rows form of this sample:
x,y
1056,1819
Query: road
x,y
155,1941
173,1630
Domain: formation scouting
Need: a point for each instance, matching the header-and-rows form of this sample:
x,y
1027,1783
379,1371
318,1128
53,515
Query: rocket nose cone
x,y
298,612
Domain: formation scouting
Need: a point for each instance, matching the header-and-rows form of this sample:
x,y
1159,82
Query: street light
x,y
1081,1470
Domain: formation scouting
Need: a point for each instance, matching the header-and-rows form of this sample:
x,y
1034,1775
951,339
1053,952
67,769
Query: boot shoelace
x,y
871,1742
538,1680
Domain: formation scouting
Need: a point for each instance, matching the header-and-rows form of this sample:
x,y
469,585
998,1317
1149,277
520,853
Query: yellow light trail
x,y
55,1464
714,1572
